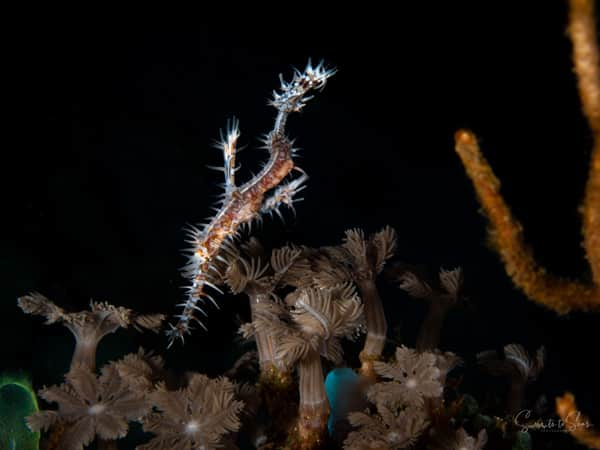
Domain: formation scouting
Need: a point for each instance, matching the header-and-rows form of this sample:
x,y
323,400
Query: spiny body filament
x,y
212,244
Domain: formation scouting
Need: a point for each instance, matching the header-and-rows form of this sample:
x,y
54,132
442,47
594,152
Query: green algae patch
x,y
17,401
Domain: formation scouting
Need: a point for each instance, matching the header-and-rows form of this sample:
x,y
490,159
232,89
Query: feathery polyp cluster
x,y
440,301
518,366
309,328
90,406
89,327
197,416
402,414
246,203
366,258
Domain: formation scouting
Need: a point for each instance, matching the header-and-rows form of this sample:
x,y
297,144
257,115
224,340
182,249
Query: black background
x,y
101,216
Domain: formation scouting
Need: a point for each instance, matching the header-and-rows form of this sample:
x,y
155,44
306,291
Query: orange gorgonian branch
x,y
583,33
558,294
246,203
576,423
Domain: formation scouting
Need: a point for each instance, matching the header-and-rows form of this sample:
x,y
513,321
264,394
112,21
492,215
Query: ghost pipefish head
x,y
293,94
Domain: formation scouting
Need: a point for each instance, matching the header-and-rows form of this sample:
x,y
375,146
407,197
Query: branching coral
x,y
518,366
197,416
90,406
244,204
89,327
558,294
506,232
583,33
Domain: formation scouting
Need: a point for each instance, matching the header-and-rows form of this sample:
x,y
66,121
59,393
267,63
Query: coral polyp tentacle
x,y
241,205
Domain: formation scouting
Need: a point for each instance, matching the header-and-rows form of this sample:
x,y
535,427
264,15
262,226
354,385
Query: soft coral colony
x,y
303,302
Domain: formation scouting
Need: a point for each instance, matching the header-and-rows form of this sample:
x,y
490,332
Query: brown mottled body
x,y
243,206
245,202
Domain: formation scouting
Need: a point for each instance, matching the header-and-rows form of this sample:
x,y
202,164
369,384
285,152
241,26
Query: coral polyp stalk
x,y
264,342
259,279
376,326
271,369
375,319
88,327
244,204
85,350
439,300
304,331
367,258
314,406
431,328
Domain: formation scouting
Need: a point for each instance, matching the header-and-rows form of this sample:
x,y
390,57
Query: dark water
x,y
101,216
